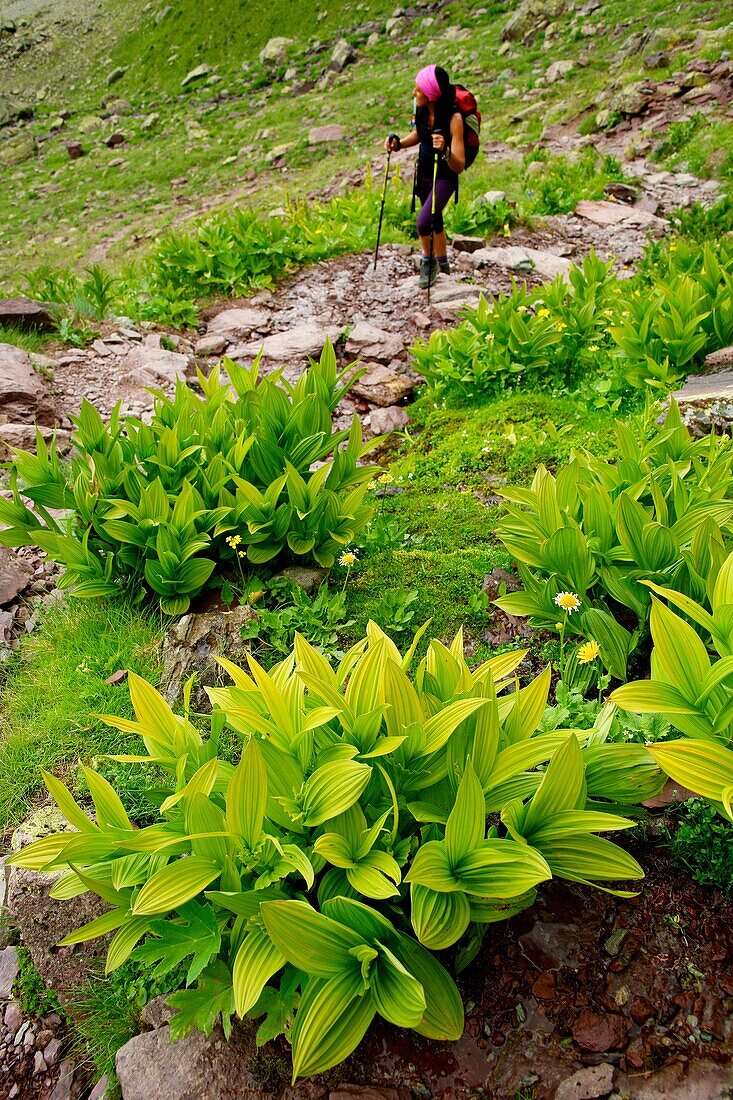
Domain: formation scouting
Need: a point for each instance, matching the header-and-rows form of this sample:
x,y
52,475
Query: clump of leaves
x,y
210,481
29,988
284,609
702,842
311,882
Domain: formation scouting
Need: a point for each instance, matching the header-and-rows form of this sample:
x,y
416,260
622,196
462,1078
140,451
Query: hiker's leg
x,y
443,191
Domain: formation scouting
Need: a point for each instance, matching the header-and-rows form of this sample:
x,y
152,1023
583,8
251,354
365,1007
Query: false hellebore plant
x,y
311,882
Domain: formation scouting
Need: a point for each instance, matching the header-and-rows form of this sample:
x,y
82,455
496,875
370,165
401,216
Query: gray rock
x,y
657,60
275,51
491,198
720,359
393,418
114,76
307,339
558,70
616,213
198,73
8,972
239,322
99,1092
343,54
145,366
325,135
310,578
193,642
26,313
586,1084
23,436
703,1081
51,1051
371,342
23,395
11,111
66,1085
39,1063
15,575
706,400
633,99
12,1017
523,260
211,344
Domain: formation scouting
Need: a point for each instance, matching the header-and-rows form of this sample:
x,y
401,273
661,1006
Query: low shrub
x,y
611,335
702,843
210,481
311,882
584,540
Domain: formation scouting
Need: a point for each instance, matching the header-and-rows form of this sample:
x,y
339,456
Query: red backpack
x,y
467,105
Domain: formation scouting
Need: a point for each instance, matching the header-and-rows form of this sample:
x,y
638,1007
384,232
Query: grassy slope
x,y
59,211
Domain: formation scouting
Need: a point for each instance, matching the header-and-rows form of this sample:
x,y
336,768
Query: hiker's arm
x,y
404,143
455,156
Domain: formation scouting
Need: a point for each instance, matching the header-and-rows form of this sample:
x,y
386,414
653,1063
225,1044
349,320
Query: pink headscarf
x,y
427,83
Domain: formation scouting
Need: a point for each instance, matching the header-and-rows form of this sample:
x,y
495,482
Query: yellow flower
x,y
593,347
348,558
543,313
489,336
241,553
588,652
385,478
568,601
560,326
255,597
559,626
234,541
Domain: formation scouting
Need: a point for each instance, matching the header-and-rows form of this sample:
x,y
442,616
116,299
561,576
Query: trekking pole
x,y
384,196
432,220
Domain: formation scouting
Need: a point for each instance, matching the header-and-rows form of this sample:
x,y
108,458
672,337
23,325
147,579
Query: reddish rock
x,y
75,149
545,987
586,1084
26,313
383,386
14,575
600,1032
641,1010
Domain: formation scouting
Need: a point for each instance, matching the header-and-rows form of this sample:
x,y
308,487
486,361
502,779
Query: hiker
x,y
439,133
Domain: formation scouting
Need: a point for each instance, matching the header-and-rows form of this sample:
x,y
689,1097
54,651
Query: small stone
x,y
114,140
600,1032
75,149
64,1089
325,135
39,1063
390,419
13,1017
462,243
212,344
99,1092
641,1010
195,74
114,76
309,578
612,946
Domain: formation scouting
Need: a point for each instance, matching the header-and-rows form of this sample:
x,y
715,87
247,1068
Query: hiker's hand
x,y
438,142
392,143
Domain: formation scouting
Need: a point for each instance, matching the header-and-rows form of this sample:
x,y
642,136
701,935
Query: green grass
x,y
52,690
28,341
30,990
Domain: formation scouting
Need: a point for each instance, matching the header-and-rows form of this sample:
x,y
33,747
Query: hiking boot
x,y
428,273
443,267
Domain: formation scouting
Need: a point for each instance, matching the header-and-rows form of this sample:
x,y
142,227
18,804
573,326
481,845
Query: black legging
x,y
444,189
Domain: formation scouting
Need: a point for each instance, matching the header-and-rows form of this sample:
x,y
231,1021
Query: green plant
x,y
164,504
395,610
29,988
76,333
353,786
702,842
679,134
662,513
283,609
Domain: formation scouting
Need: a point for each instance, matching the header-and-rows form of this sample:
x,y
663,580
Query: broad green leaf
x,y
174,885
110,811
703,766
108,922
201,1007
466,825
501,869
396,994
562,788
69,808
256,961
194,932
439,919
124,941
332,1019
247,795
309,940
332,789
589,859
443,1017
431,868
680,657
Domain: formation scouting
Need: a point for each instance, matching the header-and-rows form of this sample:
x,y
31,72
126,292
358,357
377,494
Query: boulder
x,y
275,50
42,921
343,54
325,135
195,640
194,75
491,198
75,149
383,386
297,343
558,70
23,436
17,149
8,972
615,213
657,60
114,76
523,260
26,313
370,342
720,359
23,396
706,400
633,99
14,575
309,577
